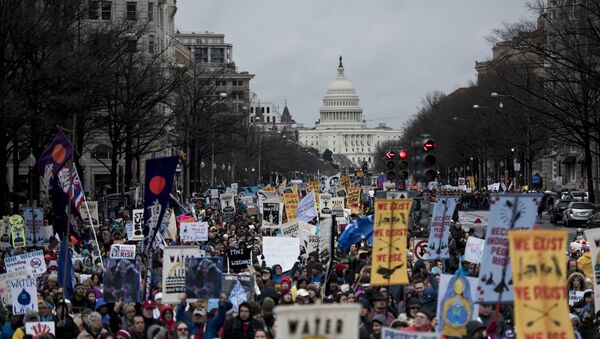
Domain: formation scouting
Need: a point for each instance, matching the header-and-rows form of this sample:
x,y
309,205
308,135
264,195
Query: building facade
x,y
267,118
341,127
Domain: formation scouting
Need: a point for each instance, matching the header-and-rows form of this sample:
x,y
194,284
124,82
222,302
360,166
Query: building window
x,y
268,109
262,110
93,12
251,109
106,10
151,11
151,47
101,152
131,10
132,45
268,119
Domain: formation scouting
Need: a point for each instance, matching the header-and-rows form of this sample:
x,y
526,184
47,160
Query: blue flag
x,y
359,230
65,267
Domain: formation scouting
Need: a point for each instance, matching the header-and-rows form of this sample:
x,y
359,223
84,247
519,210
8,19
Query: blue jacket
x,y
215,324
8,330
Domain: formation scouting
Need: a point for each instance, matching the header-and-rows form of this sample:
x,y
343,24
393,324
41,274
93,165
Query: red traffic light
x,y
428,145
390,154
403,154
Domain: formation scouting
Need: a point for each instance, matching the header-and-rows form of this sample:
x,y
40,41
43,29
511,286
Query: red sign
x,y
390,154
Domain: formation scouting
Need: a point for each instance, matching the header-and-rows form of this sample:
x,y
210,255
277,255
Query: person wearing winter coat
x,y
166,318
243,325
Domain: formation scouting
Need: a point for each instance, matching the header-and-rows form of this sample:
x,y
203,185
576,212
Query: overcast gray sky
x,y
395,51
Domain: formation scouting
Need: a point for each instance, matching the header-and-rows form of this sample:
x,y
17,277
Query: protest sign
x,y
119,251
17,229
4,233
193,231
170,231
307,208
173,277
138,225
239,288
227,203
331,321
272,211
575,297
34,221
203,277
325,204
291,202
5,289
390,231
353,200
247,200
214,193
325,234
539,277
295,227
91,219
390,333
440,227
340,192
328,184
456,304
309,244
40,327
30,262
281,250
314,186
345,181
122,280
593,238
239,259
337,207
507,211
24,295
473,250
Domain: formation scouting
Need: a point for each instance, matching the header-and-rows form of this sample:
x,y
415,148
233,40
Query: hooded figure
x,y
166,317
243,325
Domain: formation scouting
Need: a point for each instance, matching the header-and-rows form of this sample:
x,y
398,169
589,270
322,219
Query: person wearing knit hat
x,y
285,283
475,330
123,334
423,320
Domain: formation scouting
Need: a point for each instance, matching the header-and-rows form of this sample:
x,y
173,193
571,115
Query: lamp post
x,y
212,172
229,174
31,163
202,165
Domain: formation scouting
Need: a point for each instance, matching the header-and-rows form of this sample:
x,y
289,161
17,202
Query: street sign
x,y
420,249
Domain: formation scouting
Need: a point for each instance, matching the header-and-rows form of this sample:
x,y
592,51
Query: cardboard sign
x,y
24,295
291,203
353,200
325,233
507,211
119,251
30,262
539,277
325,204
227,203
331,321
239,259
474,249
5,289
173,277
40,327
337,206
440,227
193,231
138,225
281,250
272,213
575,297
34,221
390,231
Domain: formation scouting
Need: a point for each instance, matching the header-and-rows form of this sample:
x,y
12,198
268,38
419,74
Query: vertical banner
x,y
337,207
593,238
17,229
456,304
138,225
227,203
325,238
315,187
330,321
291,202
173,277
440,227
307,208
539,275
390,230
34,221
507,212
325,204
272,213
353,200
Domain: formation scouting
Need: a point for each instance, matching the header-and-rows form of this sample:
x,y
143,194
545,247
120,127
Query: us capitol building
x,y
342,129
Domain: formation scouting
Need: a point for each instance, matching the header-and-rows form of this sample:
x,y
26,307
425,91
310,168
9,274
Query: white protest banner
x,y
170,231
40,327
138,225
92,218
5,290
337,206
281,250
214,193
390,333
593,238
331,321
119,251
32,262
227,203
272,213
247,200
307,208
474,249
193,231
456,310
440,228
24,295
507,212
325,204
309,244
290,229
173,277
325,238
328,184
34,221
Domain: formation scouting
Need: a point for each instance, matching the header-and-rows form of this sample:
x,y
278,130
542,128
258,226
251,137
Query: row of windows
x,y
262,109
102,10
200,41
342,103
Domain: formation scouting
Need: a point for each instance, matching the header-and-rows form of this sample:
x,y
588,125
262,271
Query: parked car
x,y
580,196
577,213
593,221
556,213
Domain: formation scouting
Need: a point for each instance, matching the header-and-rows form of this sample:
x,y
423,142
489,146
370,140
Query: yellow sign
x,y
345,181
353,200
291,202
268,188
390,229
17,228
539,283
315,186
471,182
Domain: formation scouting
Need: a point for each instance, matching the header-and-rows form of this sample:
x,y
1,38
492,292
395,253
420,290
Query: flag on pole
x,y
65,265
71,186
358,230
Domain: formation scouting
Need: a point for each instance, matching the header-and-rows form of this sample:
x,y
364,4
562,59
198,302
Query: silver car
x,y
577,213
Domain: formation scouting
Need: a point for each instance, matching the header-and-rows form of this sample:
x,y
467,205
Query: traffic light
x,y
425,159
390,165
403,164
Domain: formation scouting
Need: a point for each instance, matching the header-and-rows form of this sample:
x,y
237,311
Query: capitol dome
x,y
341,106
